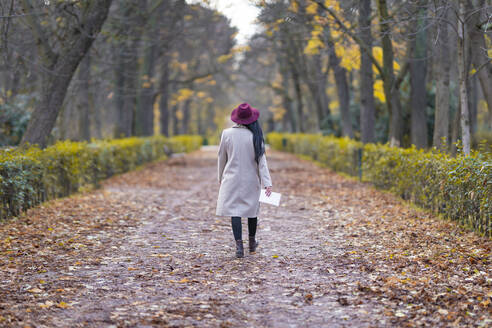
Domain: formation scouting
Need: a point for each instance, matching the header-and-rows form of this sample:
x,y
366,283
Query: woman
x,y
242,169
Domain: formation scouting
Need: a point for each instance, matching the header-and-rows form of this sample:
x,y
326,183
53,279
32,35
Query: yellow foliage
x,y
224,58
377,53
313,46
157,115
201,94
184,94
294,6
203,79
278,112
333,4
312,9
334,105
379,91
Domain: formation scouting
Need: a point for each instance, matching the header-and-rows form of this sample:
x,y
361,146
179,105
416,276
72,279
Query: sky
x,y
242,14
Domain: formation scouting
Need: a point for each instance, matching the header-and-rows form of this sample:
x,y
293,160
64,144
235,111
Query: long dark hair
x,y
258,140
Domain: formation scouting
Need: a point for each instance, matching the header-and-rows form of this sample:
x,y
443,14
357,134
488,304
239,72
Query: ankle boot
x,y
252,244
239,249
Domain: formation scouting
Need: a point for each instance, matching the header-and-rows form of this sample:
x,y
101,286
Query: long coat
x,y
240,177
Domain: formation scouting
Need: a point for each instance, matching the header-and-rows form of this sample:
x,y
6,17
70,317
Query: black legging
x,y
237,228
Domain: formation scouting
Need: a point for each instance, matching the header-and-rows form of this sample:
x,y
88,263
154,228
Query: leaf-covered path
x,y
147,250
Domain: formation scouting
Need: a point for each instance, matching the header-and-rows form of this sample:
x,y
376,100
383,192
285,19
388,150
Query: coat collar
x,y
239,126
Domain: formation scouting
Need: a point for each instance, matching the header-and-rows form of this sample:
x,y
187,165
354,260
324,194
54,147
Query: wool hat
x,y
244,114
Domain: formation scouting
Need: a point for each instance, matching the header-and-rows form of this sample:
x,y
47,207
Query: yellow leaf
x,y
42,281
294,7
485,303
313,46
379,91
334,105
275,256
63,305
132,269
312,8
184,280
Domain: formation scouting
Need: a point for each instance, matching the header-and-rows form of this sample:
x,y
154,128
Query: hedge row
x,y
29,176
459,187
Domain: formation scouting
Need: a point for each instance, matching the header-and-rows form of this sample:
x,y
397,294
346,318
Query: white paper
x,y
274,198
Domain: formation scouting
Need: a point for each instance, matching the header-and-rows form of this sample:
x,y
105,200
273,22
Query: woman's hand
x,y
268,191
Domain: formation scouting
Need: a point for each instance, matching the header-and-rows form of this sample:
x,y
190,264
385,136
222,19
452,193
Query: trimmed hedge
x,y
459,187
29,176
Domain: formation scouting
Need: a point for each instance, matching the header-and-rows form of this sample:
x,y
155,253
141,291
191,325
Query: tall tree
x,y
442,62
463,76
390,84
418,72
477,29
367,110
61,49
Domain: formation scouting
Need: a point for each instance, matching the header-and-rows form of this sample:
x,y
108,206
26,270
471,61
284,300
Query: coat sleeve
x,y
265,178
222,157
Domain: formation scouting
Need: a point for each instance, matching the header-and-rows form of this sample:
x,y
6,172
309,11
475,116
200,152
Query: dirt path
x,y
147,250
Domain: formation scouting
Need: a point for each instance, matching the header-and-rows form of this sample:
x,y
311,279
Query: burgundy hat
x,y
244,114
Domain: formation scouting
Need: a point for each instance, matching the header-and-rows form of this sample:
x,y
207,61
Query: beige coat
x,y
240,177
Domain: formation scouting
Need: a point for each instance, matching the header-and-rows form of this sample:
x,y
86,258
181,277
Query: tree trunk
x,y
84,99
60,68
463,76
175,121
317,78
127,69
147,93
418,71
342,91
367,109
185,123
286,100
164,92
123,119
480,58
297,89
443,67
390,88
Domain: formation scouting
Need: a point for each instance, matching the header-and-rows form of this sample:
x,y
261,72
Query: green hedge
x,y
29,176
459,187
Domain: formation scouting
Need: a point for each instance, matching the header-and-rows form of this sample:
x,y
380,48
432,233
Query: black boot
x,y
239,249
252,244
